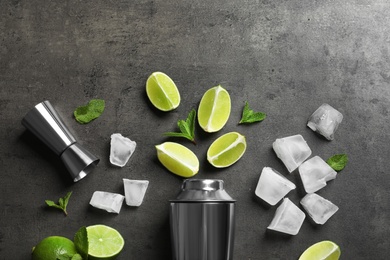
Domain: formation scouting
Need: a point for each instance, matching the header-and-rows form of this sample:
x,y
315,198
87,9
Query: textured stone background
x,y
285,58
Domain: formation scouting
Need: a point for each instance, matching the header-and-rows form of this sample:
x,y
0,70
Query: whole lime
x,y
53,247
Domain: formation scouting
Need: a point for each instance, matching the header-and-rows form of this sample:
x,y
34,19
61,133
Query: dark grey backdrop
x,y
284,57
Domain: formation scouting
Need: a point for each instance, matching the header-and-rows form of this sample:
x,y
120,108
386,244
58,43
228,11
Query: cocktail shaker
x,y
202,221
44,122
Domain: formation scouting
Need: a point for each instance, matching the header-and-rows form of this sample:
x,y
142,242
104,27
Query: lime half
x,y
226,150
178,159
214,109
162,91
104,242
324,250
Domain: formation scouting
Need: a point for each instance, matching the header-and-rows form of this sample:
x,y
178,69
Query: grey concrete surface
x,y
285,58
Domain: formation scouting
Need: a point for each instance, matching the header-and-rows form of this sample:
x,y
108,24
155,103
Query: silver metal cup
x,y
44,122
202,220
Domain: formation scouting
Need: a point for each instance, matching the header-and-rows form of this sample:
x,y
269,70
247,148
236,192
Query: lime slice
x,y
54,247
162,91
214,109
324,250
226,150
104,242
178,159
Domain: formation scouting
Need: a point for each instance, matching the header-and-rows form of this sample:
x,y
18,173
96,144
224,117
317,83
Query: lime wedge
x,y
162,91
214,109
104,242
178,159
226,150
324,250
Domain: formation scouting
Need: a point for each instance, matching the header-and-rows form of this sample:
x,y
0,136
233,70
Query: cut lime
x,y
226,150
104,242
54,247
178,159
214,109
162,91
324,250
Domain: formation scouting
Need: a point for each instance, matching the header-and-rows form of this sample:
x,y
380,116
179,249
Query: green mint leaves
x,y
249,116
85,114
187,127
62,203
338,161
81,242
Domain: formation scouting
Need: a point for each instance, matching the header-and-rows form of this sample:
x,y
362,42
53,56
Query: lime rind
x,y
324,250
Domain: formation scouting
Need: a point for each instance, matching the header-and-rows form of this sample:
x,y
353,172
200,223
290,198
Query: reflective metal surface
x,y
44,122
202,219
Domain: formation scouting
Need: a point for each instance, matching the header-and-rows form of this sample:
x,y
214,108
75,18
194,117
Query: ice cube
x,y
314,173
110,202
325,121
318,208
292,151
288,218
135,191
272,186
121,149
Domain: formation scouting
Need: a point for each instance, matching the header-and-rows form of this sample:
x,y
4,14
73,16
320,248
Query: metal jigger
x,y
44,122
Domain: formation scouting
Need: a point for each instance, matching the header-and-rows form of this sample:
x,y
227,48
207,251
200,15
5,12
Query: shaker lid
x,y
203,190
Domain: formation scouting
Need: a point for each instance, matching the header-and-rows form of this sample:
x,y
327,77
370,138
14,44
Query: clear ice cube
x,y
292,151
135,191
121,149
318,208
288,218
110,202
325,121
314,173
272,186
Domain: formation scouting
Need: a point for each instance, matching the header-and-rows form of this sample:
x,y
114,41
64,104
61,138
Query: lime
x,y
178,159
324,250
53,248
214,109
162,91
226,150
104,242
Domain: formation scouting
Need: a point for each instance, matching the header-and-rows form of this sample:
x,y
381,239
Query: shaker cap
x,y
203,190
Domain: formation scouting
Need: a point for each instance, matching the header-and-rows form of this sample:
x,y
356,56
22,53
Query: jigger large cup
x,y
44,122
202,220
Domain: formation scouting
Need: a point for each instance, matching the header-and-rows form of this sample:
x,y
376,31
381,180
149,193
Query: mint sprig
x,y
62,203
85,114
249,116
187,127
338,161
81,242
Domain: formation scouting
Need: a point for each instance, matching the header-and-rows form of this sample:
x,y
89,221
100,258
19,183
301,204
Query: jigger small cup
x,y
44,122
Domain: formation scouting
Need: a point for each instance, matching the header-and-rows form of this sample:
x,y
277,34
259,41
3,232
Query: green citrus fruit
x,y
226,150
162,91
53,248
324,250
214,109
104,242
178,159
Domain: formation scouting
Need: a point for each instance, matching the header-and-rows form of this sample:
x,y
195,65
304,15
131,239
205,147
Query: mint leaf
x,y
85,114
249,116
187,127
338,161
62,203
81,242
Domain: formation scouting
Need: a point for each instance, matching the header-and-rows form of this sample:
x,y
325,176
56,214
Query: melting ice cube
x,y
135,191
110,202
272,186
121,149
314,173
318,208
288,218
292,151
325,121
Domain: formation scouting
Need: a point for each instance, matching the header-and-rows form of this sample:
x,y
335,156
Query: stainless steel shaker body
x,y
202,220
